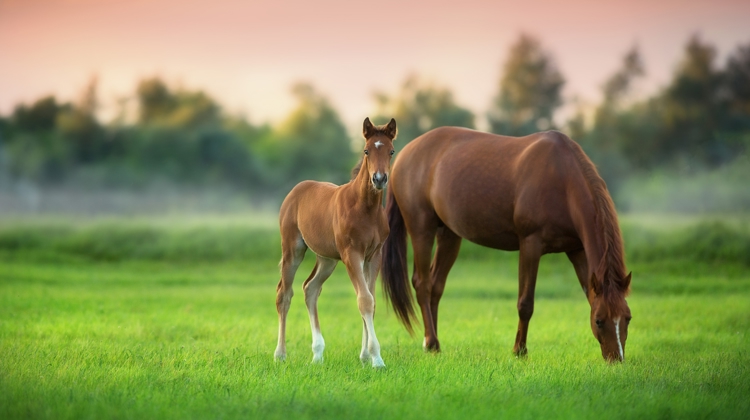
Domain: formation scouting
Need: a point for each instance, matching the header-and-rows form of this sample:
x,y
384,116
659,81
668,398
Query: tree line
x,y
699,120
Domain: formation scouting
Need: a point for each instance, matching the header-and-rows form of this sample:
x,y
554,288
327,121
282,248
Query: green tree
x,y
530,90
159,105
311,143
419,107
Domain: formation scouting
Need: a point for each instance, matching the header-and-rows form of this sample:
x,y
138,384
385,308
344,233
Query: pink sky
x,y
248,53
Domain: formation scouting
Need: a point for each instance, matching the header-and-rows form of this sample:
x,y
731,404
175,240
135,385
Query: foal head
x,y
378,151
610,316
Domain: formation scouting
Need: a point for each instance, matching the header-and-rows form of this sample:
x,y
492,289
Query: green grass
x,y
151,319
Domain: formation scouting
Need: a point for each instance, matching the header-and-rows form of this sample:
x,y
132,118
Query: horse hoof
x,y
317,360
279,357
378,363
521,353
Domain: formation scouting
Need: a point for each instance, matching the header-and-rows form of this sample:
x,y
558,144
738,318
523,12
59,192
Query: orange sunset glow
x,y
248,53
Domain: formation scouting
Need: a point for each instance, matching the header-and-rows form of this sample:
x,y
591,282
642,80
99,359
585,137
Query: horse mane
x,y
610,272
356,168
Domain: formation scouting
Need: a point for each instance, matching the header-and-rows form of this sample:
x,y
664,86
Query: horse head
x,y
378,151
610,316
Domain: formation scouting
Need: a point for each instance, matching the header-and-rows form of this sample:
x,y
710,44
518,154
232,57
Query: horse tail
x,y
393,268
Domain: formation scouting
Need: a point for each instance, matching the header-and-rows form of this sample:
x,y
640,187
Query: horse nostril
x,y
385,178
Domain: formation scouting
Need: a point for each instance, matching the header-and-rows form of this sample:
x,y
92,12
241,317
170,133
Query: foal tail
x,y
393,268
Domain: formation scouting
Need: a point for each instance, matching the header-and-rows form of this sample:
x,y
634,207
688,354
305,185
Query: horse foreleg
x,y
312,287
528,266
355,267
371,269
293,252
581,265
448,245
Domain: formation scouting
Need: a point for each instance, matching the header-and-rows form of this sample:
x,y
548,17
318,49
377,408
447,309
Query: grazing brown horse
x,y
344,223
538,194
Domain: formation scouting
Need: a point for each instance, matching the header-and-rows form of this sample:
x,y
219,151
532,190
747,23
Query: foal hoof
x,y
279,357
377,363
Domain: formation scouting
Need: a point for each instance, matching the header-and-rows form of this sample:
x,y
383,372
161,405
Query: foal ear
x,y
391,130
367,128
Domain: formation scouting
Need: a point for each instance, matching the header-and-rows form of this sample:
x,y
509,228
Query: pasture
x,y
157,318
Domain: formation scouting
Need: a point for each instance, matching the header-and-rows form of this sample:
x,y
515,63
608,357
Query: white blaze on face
x,y
619,343
378,144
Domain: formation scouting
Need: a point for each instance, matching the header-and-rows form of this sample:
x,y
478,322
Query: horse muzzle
x,y
379,180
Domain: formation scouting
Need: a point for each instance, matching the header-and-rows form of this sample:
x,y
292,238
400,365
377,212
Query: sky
x,y
247,54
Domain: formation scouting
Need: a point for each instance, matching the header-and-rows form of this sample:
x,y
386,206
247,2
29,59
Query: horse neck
x,y
603,245
362,190
599,227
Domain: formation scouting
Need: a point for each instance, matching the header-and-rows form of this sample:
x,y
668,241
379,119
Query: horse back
x,y
493,190
307,213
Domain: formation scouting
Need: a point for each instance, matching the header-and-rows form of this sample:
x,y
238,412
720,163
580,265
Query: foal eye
x,y
627,320
599,323
367,152
392,152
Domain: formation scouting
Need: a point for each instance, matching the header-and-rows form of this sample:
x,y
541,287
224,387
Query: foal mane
x,y
356,168
610,273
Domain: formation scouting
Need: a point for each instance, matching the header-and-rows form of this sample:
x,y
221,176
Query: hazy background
x,y
178,106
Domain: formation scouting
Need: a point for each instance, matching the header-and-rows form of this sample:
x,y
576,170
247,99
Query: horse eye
x,y
599,323
367,152
628,319
392,152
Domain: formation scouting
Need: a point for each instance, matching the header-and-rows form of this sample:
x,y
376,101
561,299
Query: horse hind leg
x,y
312,287
292,253
422,242
446,252
528,267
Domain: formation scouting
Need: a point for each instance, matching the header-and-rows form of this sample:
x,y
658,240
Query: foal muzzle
x,y
379,180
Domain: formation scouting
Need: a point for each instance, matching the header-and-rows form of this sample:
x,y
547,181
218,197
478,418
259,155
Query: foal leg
x,y
313,285
292,253
581,265
448,245
355,266
371,269
528,266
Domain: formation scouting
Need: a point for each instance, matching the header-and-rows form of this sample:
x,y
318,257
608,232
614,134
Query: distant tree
x,y
80,127
159,105
311,143
419,107
41,115
737,86
530,90
692,108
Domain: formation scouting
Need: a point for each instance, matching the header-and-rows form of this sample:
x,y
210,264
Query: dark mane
x,y
611,270
356,168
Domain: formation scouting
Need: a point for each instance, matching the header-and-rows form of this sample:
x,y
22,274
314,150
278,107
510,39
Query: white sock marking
x,y
378,144
619,344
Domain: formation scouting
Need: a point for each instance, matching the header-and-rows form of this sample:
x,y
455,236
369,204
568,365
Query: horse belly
x,y
482,220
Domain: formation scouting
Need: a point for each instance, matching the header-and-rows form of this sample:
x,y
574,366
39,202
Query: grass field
x,y
155,319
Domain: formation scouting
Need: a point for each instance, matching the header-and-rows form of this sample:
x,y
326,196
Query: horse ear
x,y
594,284
626,281
391,130
367,128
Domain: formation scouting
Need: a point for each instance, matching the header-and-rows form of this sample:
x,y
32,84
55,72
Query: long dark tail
x,y
395,277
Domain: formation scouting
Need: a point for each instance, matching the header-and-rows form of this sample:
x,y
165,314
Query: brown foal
x,y
344,223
